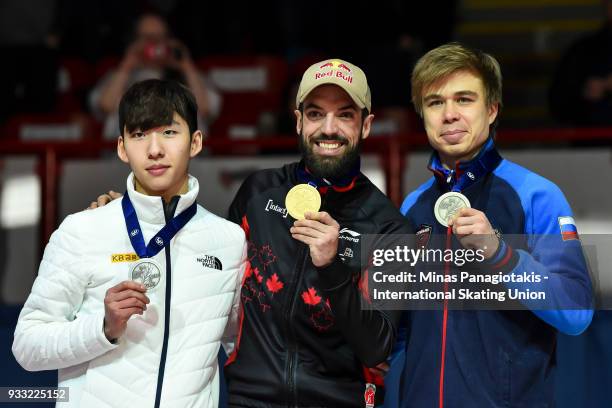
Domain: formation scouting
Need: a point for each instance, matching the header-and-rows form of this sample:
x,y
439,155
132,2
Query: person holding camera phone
x,y
152,54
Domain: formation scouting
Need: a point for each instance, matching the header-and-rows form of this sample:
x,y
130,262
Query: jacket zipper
x,y
292,349
162,362
449,234
291,343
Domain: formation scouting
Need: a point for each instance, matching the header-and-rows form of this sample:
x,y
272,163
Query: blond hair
x,y
441,62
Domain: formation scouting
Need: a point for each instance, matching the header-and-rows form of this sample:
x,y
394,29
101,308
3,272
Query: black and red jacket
x,y
305,339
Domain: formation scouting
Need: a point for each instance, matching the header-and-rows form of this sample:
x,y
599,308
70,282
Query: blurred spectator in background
x,y
27,39
581,92
153,53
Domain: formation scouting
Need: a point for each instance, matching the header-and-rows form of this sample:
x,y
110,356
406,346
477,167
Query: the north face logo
x,y
209,261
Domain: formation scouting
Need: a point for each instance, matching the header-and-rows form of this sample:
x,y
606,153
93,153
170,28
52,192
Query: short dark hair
x,y
151,103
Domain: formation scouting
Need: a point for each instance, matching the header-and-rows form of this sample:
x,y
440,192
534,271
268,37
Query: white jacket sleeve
x,y
233,323
50,334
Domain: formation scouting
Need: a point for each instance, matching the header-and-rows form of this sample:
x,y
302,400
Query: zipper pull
x,y
450,177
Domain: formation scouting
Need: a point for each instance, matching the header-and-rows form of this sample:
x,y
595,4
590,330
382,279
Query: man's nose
x,y
330,124
155,148
451,113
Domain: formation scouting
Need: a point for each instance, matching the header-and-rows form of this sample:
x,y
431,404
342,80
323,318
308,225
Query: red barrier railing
x,y
391,151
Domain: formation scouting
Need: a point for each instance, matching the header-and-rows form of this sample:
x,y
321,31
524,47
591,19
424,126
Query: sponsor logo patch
x,y
350,235
369,395
422,235
348,253
336,69
129,257
209,261
270,206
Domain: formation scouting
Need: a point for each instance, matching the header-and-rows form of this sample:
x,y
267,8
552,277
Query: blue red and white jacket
x,y
494,358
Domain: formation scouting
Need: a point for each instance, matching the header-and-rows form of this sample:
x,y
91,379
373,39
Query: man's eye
x,y
169,132
313,115
464,100
347,115
434,103
138,134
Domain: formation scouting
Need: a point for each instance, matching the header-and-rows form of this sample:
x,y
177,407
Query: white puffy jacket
x,y
60,326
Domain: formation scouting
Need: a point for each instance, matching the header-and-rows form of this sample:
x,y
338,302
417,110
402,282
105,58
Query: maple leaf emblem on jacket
x,y
274,284
321,316
266,256
254,289
310,297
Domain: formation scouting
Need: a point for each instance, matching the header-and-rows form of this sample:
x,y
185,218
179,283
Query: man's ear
x,y
493,110
196,143
121,150
367,126
298,121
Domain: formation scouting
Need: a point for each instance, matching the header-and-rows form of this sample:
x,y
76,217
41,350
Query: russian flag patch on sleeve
x,y
568,228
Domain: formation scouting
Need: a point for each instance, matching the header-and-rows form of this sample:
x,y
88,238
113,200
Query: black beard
x,y
329,167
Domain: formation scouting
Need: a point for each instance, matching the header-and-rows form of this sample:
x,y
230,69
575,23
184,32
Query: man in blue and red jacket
x,y
485,358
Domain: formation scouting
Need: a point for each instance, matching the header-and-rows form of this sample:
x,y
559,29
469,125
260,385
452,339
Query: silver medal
x,y
447,206
147,272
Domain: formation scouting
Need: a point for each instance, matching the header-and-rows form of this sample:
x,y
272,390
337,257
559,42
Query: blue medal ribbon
x,y
485,162
162,238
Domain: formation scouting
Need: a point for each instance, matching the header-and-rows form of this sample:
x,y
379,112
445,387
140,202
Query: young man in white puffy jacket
x,y
132,300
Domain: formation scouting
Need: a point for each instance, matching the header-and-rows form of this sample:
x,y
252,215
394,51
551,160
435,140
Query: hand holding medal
x,y
320,232
474,231
120,303
316,229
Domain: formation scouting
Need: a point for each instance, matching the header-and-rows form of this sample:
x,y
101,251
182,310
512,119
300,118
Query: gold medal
x,y
447,206
302,198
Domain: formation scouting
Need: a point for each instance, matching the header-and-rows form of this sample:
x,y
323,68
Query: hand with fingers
x,y
474,231
320,232
104,199
120,303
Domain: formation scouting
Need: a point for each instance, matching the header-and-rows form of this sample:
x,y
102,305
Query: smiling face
x,y
456,116
159,157
331,128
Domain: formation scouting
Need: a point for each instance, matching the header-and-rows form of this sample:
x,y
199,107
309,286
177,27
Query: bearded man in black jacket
x,y
305,339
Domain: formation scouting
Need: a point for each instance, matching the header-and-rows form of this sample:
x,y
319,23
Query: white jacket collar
x,y
151,209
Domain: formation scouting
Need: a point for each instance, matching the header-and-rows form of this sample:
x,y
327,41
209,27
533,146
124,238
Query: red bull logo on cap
x,y
344,67
336,70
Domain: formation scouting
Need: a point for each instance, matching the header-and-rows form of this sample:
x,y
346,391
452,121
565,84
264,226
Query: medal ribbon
x,y
306,177
467,173
162,238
